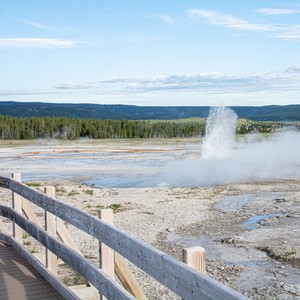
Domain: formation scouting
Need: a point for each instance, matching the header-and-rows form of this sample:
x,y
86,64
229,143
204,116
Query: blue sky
x,y
166,52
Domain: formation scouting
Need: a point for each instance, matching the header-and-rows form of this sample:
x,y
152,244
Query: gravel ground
x,y
251,231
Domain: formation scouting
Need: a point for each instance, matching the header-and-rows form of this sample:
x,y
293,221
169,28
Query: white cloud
x,y
293,70
205,82
137,37
26,93
205,88
37,25
38,43
167,19
47,27
277,11
289,33
281,31
228,21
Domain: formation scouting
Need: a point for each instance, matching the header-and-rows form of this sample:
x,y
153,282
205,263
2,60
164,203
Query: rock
x,y
280,200
170,229
113,193
294,289
232,240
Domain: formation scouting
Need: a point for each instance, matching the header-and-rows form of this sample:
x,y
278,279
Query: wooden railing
x,y
177,276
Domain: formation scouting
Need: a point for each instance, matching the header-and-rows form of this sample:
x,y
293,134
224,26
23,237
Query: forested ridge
x,y
132,112
71,128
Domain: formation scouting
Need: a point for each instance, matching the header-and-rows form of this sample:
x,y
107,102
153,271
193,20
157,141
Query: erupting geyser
x,y
219,137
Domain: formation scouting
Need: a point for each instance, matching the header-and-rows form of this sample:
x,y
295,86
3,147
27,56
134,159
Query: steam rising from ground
x,y
220,133
250,158
220,158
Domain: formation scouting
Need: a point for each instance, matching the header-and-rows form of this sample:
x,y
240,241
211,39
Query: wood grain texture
x,y
180,278
65,236
3,227
29,213
127,279
17,205
108,287
35,288
106,254
50,227
195,258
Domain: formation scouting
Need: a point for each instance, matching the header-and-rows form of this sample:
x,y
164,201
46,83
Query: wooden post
x,y
17,205
29,213
127,279
195,258
65,236
3,228
106,254
50,226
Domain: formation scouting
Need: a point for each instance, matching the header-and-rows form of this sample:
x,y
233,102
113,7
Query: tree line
x,y
70,128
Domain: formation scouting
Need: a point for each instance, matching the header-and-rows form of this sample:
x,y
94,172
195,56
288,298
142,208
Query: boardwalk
x,y
19,280
185,281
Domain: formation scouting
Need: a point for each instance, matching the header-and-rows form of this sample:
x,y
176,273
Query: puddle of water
x,y
237,203
251,223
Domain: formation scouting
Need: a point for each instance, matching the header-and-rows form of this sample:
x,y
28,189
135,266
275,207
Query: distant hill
x,y
131,112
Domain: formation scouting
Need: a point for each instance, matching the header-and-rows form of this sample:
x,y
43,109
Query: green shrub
x,y
89,192
73,193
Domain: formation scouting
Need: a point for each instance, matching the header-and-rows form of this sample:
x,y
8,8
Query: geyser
x,y
226,158
219,137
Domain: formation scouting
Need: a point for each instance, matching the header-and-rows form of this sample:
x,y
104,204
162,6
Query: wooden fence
x,y
177,276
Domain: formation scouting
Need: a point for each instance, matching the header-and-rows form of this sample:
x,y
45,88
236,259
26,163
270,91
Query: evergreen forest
x,y
71,128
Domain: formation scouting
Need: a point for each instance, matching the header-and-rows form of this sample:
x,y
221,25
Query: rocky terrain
x,y
250,231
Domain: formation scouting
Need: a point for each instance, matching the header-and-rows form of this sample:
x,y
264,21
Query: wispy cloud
x,y
247,89
27,93
167,19
282,31
206,82
47,27
228,21
289,33
38,43
277,11
40,25
137,37
36,25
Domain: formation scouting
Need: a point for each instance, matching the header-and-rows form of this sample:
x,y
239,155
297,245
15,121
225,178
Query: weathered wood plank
x,y
106,254
177,276
17,205
195,258
3,227
65,236
59,286
29,213
50,226
127,279
105,284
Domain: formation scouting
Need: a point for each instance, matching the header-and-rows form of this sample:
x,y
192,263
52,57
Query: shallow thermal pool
x,y
152,162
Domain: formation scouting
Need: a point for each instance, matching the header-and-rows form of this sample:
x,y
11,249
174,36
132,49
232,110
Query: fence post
x,y
195,258
17,206
3,228
50,226
127,279
106,254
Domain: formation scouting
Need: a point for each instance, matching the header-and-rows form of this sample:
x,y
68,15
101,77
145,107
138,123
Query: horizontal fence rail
x,y
60,287
109,288
177,276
